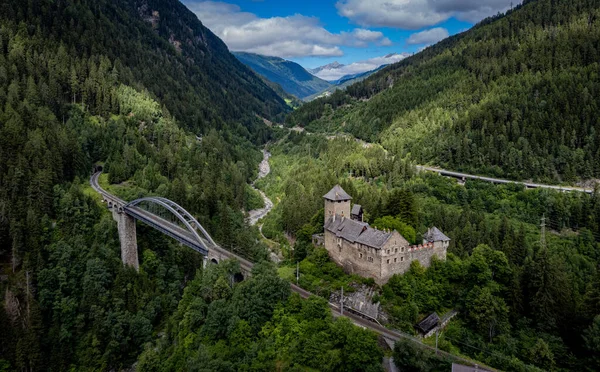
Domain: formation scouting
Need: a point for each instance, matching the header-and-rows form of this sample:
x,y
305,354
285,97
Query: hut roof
x,y
427,324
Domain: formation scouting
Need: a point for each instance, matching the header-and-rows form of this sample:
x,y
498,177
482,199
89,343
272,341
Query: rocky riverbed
x,y
263,171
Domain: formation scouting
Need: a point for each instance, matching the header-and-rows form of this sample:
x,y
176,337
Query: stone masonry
x,y
127,237
369,252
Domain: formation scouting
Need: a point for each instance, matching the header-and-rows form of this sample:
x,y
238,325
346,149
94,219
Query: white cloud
x,y
416,14
367,35
385,42
359,67
428,36
292,36
360,37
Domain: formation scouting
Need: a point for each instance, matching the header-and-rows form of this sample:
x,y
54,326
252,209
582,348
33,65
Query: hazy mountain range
x,y
335,72
307,84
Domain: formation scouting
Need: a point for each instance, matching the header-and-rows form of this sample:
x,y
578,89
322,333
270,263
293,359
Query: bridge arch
x,y
191,224
238,277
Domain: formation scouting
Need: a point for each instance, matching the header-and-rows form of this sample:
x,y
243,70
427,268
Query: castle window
x,y
370,259
360,255
340,248
388,261
395,260
396,250
388,251
401,259
402,250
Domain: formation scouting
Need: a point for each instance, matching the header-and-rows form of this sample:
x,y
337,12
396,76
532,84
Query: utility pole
x,y
28,294
342,302
297,271
543,233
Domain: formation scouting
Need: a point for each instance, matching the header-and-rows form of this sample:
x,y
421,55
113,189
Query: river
x,y
263,170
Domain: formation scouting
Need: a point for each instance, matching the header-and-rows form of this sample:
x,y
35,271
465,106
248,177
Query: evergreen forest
x,y
144,90
516,96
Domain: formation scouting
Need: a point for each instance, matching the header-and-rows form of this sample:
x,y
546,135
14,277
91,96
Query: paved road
x,y
459,175
530,185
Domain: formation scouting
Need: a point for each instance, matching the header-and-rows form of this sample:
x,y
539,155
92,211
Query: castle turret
x,y
337,202
440,241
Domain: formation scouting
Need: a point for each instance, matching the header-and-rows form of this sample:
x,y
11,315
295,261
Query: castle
x,y
370,252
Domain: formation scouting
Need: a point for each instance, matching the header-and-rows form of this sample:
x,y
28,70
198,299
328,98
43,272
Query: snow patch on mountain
x,y
335,71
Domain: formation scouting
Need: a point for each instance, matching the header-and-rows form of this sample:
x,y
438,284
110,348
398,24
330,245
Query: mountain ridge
x,y
143,89
335,71
292,77
507,75
178,41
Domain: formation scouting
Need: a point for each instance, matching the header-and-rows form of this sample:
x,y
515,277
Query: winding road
x,y
529,185
467,176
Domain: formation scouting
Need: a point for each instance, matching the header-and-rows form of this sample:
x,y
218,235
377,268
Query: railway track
x,y
358,319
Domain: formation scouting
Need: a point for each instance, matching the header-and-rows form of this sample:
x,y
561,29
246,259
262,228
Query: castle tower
x,y
440,242
337,201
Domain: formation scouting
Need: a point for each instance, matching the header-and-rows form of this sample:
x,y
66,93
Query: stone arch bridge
x,y
167,217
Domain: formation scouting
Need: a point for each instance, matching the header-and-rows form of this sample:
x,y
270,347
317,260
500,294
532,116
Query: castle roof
x,y
357,232
435,235
356,209
337,194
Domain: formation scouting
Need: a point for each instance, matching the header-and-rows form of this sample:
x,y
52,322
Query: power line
x,y
492,353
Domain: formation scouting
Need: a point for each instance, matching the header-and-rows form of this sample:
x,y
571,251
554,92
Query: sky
x,y
317,32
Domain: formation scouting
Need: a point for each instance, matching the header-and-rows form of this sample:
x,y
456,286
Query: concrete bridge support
x,y
127,237
215,257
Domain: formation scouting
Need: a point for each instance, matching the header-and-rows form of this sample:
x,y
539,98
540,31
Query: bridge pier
x,y
127,237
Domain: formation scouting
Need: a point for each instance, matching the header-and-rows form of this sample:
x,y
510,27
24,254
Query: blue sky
x,y
314,33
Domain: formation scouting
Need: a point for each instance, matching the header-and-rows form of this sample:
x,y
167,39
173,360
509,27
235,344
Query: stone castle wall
x,y
340,208
348,255
381,264
408,254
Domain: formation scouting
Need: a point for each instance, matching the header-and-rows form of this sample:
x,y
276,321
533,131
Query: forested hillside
x,y
516,96
292,77
145,89
158,45
525,302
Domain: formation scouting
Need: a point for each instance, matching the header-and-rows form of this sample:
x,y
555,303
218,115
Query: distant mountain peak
x,y
330,66
336,72
334,64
